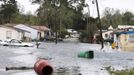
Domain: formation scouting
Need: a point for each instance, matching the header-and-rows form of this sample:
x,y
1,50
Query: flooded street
x,y
64,59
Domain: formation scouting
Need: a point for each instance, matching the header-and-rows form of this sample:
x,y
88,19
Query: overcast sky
x,y
123,5
26,6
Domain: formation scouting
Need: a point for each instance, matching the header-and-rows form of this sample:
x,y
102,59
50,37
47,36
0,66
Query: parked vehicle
x,y
14,42
2,42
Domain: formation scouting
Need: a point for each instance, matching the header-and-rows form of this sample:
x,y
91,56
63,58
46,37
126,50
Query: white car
x,y
2,42
14,42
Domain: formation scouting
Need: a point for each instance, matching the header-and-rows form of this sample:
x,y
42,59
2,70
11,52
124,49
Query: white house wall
x,y
108,33
33,32
20,35
3,34
27,34
14,34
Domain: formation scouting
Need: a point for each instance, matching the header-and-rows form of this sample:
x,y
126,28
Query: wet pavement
x,y
63,57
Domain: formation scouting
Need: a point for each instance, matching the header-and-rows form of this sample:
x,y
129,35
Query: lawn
x,y
120,72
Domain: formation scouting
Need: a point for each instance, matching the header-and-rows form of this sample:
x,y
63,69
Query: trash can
x,y
86,54
82,54
90,54
42,67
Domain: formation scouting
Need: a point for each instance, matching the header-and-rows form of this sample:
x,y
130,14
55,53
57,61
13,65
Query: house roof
x,y
41,28
24,25
11,27
14,26
126,32
110,28
22,30
125,26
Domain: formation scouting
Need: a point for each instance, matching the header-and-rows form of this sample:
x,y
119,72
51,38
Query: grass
x,y
120,72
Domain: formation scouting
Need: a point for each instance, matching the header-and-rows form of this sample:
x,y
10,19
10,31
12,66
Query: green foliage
x,y
8,9
90,27
120,72
115,18
84,37
127,17
63,33
9,13
24,19
60,12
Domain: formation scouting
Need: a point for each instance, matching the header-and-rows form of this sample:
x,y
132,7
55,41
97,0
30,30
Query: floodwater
x,y
63,57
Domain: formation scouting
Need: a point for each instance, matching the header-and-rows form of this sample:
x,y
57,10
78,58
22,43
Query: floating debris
x,y
18,68
130,59
73,70
45,58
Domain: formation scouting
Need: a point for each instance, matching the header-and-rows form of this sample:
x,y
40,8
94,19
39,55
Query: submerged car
x,y
2,42
14,42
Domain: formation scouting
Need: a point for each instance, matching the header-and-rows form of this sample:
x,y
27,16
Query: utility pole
x,y
100,26
56,12
88,22
56,41
60,23
87,26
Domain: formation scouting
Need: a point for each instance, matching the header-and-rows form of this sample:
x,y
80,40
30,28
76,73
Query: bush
x,y
119,72
63,34
84,37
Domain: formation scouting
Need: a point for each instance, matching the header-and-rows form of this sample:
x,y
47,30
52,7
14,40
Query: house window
x,y
131,37
8,34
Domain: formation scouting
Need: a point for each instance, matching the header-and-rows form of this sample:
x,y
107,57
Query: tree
x,y
25,19
108,13
126,17
113,18
60,12
117,18
8,9
89,28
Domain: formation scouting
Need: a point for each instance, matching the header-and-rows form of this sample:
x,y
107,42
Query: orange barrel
x,y
42,67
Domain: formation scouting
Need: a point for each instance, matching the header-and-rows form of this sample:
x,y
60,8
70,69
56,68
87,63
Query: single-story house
x,y
11,33
33,32
125,27
73,33
36,32
126,40
107,34
110,28
43,31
